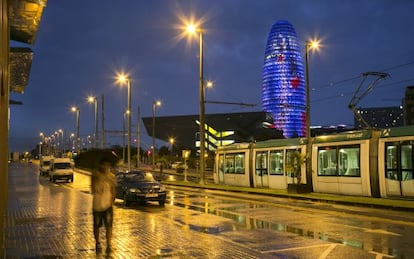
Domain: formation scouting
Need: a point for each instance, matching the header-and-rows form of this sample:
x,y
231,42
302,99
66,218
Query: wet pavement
x,y
48,220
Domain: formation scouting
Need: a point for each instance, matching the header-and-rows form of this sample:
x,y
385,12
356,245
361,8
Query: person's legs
x,y
108,220
97,223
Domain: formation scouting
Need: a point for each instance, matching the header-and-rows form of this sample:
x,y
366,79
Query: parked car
x,y
44,165
179,166
61,168
139,186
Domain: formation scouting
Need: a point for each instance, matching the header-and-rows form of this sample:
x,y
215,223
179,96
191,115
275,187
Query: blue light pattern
x,y
283,86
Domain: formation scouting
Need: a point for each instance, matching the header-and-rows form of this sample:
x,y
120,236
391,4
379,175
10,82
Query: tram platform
x,y
393,203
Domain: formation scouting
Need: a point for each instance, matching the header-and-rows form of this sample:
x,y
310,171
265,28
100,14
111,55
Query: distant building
x,y
381,117
408,106
221,129
283,81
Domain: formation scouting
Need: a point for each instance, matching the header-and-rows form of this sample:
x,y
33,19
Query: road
x,y
280,227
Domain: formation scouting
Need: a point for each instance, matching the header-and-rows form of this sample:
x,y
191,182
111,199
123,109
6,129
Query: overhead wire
x,y
332,84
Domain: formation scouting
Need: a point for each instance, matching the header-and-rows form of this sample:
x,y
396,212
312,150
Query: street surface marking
x,y
380,255
381,231
327,251
294,248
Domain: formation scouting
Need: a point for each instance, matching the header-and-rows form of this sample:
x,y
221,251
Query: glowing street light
x,y
41,142
209,84
309,45
155,103
192,29
171,140
76,110
62,132
94,100
125,79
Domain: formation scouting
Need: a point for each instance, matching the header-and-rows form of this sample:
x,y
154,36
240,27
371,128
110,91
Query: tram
x,y
369,163
396,160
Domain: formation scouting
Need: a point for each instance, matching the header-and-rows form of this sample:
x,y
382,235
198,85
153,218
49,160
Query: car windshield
x,y
139,177
62,165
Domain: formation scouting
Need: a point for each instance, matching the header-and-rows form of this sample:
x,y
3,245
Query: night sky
x,y
81,45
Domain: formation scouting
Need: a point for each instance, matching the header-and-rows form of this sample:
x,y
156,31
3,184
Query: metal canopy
x,y
24,19
20,64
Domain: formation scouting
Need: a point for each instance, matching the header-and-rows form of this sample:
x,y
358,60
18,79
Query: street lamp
x,y
123,138
192,29
71,137
309,45
94,100
42,142
171,140
209,84
75,109
62,132
155,103
122,79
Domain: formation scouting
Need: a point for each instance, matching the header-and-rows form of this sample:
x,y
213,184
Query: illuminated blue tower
x,y
283,86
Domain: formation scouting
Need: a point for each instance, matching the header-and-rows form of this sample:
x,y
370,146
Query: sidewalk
x,y
46,220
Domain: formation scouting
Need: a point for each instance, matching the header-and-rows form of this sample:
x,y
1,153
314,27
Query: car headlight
x,y
134,190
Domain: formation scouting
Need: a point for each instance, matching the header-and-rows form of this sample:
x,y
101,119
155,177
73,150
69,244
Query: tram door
x,y
221,168
399,169
262,177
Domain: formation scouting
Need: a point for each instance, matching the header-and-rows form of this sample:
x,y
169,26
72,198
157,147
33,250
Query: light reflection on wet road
x,y
381,231
260,220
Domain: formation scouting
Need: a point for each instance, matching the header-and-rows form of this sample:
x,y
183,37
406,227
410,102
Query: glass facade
x,y
283,81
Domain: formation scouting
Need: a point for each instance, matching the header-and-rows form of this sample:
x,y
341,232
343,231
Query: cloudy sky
x,y
81,45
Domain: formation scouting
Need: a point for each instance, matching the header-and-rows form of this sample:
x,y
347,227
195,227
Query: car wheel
x,y
161,202
126,202
71,179
50,178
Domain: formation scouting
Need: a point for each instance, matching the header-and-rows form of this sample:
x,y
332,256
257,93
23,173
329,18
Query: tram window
x,y
234,163
276,162
391,163
349,161
406,157
407,162
327,161
391,159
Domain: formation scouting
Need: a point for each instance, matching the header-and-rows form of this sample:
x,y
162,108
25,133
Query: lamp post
x,y
94,100
155,103
314,44
75,109
139,138
62,132
71,137
193,29
123,138
172,140
126,79
42,142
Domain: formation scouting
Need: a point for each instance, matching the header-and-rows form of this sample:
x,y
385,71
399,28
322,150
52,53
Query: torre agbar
x,y
283,87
